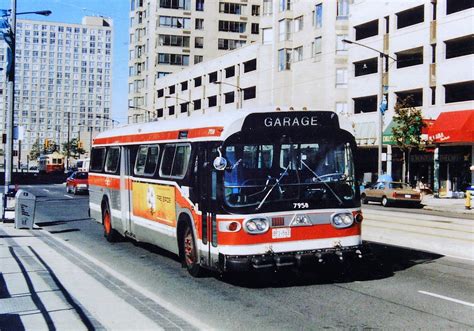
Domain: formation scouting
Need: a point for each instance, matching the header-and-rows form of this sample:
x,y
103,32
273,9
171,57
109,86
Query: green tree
x,y
74,150
36,150
407,131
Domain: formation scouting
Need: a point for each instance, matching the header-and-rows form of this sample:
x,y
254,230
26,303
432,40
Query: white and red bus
x,y
50,163
232,191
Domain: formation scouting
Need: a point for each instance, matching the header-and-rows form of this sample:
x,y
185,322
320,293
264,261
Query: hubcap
x,y
189,253
107,222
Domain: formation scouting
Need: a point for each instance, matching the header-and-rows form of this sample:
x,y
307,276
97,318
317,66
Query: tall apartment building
x,y
167,36
432,43
300,61
63,83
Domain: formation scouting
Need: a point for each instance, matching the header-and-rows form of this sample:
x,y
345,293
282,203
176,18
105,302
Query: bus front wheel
x,y
109,233
190,256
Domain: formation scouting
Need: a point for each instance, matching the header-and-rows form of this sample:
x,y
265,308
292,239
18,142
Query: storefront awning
x,y
453,127
388,138
365,133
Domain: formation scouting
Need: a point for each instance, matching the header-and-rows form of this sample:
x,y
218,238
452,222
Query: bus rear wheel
x,y
190,256
109,233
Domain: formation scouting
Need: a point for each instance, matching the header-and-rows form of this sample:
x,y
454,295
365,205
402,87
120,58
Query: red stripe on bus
x,y
321,231
103,181
156,136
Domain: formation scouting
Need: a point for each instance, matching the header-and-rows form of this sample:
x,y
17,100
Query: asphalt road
x,y
406,289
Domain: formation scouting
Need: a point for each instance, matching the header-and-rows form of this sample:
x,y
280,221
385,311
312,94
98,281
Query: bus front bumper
x,y
300,260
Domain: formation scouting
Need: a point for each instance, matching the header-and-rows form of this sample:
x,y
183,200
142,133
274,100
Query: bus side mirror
x,y
220,163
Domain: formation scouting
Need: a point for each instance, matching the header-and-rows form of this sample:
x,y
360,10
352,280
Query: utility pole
x,y
68,137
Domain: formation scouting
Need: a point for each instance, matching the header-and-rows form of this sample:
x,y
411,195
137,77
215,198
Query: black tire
x,y
109,233
189,252
385,202
363,199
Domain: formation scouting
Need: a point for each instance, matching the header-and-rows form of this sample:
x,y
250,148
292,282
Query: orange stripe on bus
x,y
108,182
156,136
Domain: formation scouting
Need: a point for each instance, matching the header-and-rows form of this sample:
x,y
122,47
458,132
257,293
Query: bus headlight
x,y
342,220
256,225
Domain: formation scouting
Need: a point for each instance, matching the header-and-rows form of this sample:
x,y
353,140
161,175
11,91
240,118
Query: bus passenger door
x,y
125,188
207,190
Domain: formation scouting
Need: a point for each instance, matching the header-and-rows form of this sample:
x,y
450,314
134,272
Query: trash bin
x,y
25,206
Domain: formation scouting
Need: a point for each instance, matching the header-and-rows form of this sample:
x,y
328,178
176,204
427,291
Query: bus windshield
x,y
314,174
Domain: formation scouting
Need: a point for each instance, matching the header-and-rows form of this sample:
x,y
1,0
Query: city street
x,y
409,288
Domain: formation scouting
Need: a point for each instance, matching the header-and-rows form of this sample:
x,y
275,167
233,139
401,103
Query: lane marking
x,y
68,196
447,298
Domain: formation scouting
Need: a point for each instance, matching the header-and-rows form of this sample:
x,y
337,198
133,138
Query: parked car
x,y
77,182
391,192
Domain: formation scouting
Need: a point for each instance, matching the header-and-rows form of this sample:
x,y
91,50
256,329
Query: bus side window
x,y
112,160
97,159
147,160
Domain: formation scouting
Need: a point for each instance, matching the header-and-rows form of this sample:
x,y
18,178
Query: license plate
x,y
281,233
407,196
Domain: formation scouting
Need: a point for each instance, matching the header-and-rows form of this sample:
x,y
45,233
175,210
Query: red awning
x,y
453,127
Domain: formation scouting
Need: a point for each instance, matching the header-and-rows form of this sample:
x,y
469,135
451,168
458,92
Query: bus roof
x,y
217,126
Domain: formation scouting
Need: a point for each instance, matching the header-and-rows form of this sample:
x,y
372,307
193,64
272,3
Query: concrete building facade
x,y
63,83
167,36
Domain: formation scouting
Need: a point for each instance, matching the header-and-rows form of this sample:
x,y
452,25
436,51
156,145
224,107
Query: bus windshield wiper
x,y
322,181
273,186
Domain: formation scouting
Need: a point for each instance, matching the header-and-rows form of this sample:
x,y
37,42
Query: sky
x,y
72,11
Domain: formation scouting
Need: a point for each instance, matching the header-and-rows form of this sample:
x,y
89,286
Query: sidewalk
x,y
45,283
449,205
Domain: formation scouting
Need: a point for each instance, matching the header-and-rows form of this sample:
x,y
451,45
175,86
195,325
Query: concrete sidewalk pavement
x,y
449,205
45,283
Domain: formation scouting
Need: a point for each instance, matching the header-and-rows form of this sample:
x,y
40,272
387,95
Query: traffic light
x,y
46,143
80,144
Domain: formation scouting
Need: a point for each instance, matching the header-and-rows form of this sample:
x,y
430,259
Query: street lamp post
x,y
108,119
382,56
177,98
10,39
239,92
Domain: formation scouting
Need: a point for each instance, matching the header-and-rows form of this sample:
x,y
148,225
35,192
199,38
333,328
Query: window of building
x,y
176,4
409,57
284,59
212,101
199,5
267,36
415,96
460,46
229,43
184,107
198,42
231,26
267,7
250,92
342,9
171,40
410,16
184,86
197,104
171,89
284,5
197,81
341,47
454,6
365,67
175,22
199,24
284,29
198,59
459,92
231,8
250,65
341,77
161,93
298,54
318,16
230,72
229,97
367,30
433,95
366,104
173,59
299,22
171,110
317,46
159,112
255,28
213,77
255,10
